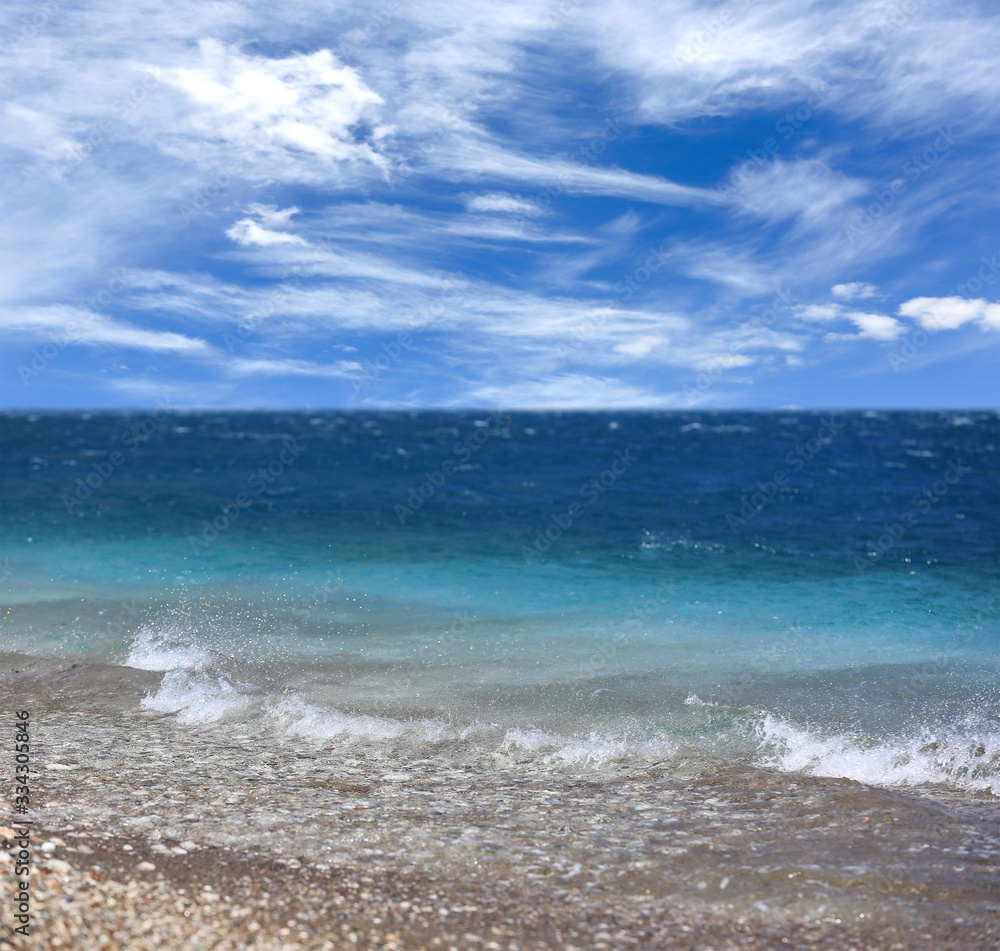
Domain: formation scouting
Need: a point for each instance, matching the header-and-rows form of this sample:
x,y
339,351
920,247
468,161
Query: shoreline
x,y
409,852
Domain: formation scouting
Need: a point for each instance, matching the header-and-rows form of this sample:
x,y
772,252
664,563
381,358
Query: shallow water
x,y
740,844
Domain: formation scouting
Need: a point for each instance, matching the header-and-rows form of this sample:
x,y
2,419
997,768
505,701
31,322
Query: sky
x,y
448,204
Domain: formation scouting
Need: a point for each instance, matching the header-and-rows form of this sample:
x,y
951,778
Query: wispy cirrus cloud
x,y
70,326
539,194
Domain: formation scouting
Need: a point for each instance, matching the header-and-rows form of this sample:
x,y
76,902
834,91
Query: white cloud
x,y
640,346
856,290
502,202
736,268
566,391
71,326
808,190
271,216
870,326
876,326
36,132
250,234
476,159
504,230
686,59
819,311
290,367
949,313
294,118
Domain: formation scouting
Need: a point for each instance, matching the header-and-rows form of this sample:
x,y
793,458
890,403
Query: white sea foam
x,y
966,756
693,700
312,722
593,750
197,697
189,689
151,650
197,693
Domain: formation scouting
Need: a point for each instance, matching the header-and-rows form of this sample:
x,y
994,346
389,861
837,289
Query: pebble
x,y
180,911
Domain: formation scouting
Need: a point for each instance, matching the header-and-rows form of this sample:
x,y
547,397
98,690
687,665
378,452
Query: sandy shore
x,y
152,834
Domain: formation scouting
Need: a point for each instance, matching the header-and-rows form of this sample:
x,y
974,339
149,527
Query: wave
x,y
965,755
593,750
311,722
197,689
151,650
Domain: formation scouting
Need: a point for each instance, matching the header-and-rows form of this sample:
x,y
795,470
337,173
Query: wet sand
x,y
148,833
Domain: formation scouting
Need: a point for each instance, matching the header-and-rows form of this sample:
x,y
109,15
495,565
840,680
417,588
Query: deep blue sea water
x,y
807,592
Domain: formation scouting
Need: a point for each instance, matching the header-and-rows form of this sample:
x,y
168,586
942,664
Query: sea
x,y
631,665
803,593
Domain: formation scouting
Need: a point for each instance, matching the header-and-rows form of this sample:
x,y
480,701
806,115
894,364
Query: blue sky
x,y
456,204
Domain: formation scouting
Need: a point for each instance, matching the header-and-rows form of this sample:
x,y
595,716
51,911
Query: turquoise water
x,y
804,592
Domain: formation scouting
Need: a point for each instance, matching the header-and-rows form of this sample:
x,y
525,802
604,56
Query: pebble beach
x,y
147,834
